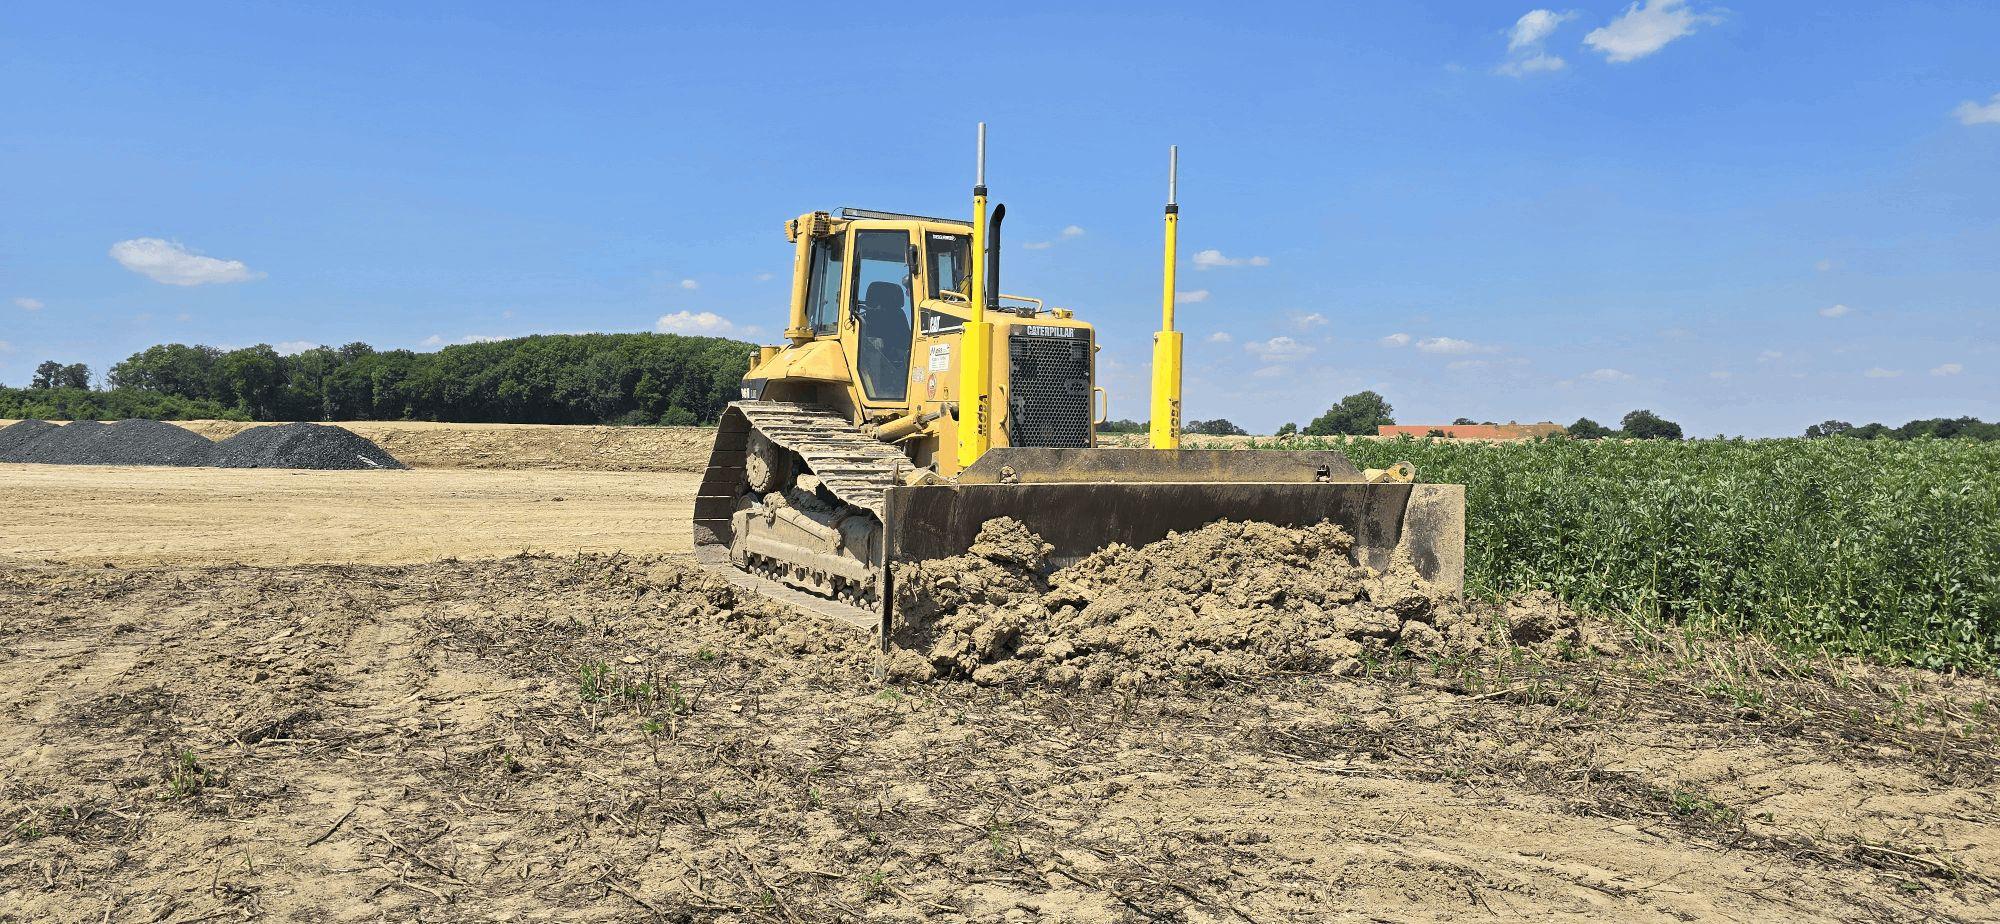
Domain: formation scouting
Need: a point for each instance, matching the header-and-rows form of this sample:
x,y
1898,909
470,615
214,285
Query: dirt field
x,y
593,738
94,515
600,737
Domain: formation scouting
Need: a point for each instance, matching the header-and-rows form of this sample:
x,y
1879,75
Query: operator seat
x,y
885,342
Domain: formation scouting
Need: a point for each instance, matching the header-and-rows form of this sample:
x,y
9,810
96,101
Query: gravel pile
x,y
147,442
14,439
301,445
153,442
59,445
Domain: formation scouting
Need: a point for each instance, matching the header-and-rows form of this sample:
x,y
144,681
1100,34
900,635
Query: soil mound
x,y
16,437
1228,601
301,445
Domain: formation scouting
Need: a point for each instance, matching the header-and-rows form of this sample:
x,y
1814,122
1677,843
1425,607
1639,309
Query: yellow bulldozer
x,y
912,402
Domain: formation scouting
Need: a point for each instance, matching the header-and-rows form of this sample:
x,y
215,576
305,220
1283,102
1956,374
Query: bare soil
x,y
132,515
610,738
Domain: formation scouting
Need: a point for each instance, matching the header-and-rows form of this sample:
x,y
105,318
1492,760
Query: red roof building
x,y
1506,431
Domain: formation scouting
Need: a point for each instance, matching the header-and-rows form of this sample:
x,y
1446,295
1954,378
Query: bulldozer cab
x,y
866,282
882,300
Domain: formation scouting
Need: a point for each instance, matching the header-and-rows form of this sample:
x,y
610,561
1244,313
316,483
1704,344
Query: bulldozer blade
x,y
1423,524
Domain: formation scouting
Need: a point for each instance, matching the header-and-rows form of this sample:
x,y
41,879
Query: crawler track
x,y
855,468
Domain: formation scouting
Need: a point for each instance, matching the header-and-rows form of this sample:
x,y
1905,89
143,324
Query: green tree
x,y
172,368
1587,429
1646,425
47,375
1217,427
1288,429
1828,428
252,379
1358,414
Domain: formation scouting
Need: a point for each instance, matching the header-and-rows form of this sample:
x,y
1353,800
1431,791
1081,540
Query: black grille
x,y
1048,394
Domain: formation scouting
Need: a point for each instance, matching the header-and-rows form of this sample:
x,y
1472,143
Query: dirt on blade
x,y
614,738
1228,602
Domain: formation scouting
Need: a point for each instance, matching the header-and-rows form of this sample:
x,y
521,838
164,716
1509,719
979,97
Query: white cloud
x,y
1880,373
172,264
1525,54
1073,231
508,314
690,284
1221,336
1213,259
1607,375
705,323
1037,245
1823,265
28,304
1396,340
183,317
1972,113
766,277
1769,356
1948,369
1646,27
1190,296
1271,372
1450,346
1278,349
6,347
1467,365
1720,374
1533,27
294,347
1835,311
1307,321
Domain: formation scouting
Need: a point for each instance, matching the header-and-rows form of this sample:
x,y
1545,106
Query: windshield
x,y
949,266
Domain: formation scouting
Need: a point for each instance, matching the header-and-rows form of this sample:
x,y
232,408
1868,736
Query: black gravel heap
x,y
64,445
14,439
301,445
153,442
149,442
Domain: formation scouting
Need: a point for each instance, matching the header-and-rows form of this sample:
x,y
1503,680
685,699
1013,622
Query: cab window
x,y
823,290
948,262
881,287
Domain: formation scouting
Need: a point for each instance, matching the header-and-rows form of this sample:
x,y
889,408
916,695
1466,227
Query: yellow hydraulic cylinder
x,y
1165,428
975,346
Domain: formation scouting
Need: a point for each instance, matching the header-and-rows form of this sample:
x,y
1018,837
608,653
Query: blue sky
x,y
1746,218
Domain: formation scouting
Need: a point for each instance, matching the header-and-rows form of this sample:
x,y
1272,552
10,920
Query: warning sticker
x,y
940,357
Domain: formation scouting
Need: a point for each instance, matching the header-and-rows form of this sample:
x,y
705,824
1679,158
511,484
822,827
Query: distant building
x,y
1505,431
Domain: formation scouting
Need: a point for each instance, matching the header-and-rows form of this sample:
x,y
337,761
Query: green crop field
x,y
1874,547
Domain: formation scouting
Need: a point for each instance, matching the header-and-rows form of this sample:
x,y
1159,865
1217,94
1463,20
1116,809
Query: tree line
x,y
554,378
1971,428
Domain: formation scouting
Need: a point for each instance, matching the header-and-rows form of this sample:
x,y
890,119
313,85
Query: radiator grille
x,y
1048,395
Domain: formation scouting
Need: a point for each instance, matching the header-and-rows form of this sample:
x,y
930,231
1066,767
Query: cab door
x,y
880,310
